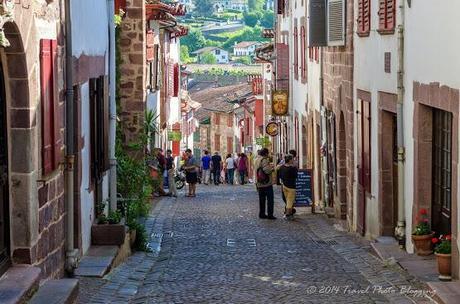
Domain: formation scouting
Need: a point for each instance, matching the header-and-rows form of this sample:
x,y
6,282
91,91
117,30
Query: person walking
x,y
230,166
191,173
216,162
206,167
243,167
264,184
288,176
170,167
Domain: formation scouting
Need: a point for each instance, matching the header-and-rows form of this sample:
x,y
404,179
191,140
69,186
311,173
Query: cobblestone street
x,y
214,249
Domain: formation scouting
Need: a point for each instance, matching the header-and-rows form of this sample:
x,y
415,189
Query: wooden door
x,y
442,172
4,194
364,162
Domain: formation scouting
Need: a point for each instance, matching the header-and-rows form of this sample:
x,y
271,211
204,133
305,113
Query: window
x,y
217,142
303,63
51,133
229,144
387,14
296,52
230,121
310,53
364,17
217,52
336,22
317,23
176,78
99,122
217,118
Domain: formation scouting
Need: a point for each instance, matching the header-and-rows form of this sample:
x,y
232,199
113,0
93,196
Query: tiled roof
x,y
219,99
245,44
206,49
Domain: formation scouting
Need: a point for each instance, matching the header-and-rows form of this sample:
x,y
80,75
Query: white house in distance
x,y
239,5
221,55
245,48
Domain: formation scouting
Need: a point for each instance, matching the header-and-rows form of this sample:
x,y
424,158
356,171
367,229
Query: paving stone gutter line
x,y
124,282
357,251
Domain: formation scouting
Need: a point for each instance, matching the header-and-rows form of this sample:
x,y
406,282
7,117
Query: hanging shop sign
x,y
272,128
174,135
280,102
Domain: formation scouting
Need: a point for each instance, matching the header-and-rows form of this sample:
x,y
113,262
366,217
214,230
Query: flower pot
x,y
132,237
444,266
422,243
106,234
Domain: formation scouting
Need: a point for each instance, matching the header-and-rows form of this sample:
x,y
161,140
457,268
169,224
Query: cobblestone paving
x,y
214,249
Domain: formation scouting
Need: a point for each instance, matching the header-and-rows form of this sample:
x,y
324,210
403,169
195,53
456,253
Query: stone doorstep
x,y
19,283
64,291
99,260
422,267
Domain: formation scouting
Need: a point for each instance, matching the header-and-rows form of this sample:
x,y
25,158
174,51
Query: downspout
x,y
112,108
71,252
400,229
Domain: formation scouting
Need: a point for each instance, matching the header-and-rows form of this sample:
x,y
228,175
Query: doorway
x,y
4,185
442,172
364,161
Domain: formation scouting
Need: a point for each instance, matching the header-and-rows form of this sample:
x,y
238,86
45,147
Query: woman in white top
x,y
230,165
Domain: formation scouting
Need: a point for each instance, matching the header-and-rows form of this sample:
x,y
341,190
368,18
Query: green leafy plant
x,y
102,219
443,244
114,217
423,225
141,242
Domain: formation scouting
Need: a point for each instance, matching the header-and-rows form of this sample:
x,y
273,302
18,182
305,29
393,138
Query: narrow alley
x,y
214,249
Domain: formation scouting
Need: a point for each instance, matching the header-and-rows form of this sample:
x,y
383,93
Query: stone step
x,y
97,262
18,284
64,291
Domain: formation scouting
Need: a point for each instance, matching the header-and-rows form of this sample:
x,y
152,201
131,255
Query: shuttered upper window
x,y
387,14
296,52
303,59
364,17
176,77
51,133
336,22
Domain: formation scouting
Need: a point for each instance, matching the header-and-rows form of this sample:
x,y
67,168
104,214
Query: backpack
x,y
262,177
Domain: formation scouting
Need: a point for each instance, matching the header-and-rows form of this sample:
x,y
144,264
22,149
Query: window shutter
x,y
296,51
230,121
105,120
229,144
303,60
217,141
120,4
317,23
176,80
57,141
51,142
93,128
336,22
364,17
282,66
387,12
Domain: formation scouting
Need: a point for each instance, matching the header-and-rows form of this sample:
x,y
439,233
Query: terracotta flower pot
x,y
422,243
444,266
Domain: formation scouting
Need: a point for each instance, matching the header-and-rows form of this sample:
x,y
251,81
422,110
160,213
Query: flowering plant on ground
x,y
423,225
443,244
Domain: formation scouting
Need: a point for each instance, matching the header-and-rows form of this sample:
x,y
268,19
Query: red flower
x,y
434,240
423,211
448,237
425,220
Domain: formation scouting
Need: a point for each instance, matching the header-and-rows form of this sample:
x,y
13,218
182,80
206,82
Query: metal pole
x,y
400,229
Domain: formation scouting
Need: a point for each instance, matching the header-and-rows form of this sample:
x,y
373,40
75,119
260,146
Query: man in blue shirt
x,y
205,167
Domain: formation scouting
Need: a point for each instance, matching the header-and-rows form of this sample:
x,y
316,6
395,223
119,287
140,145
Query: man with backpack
x,y
264,169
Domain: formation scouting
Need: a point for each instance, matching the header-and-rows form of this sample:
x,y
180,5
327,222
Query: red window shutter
x,y
229,145
230,121
259,112
51,139
217,118
387,13
176,80
217,142
303,48
282,66
247,126
175,148
364,17
296,53
120,4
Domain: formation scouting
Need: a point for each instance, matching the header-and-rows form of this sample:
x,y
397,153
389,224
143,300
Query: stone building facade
x,y
32,93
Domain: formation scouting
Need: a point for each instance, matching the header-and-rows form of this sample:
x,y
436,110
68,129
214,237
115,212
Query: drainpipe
x,y
112,108
400,229
71,252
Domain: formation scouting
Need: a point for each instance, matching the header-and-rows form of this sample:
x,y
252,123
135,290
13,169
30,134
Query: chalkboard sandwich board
x,y
304,188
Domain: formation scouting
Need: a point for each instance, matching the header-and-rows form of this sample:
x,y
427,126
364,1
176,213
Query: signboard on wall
x,y
174,135
304,188
280,102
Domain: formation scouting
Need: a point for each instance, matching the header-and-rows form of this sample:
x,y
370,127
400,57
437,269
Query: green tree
x,y
184,54
255,5
267,19
251,18
208,58
245,59
194,40
204,7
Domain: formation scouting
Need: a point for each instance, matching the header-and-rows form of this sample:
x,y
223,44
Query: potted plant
x,y
109,230
422,235
443,249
